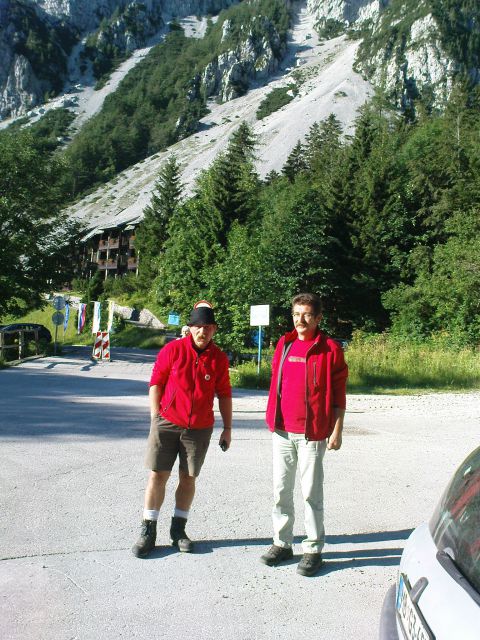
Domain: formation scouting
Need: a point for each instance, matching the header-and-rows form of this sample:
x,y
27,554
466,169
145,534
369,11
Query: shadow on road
x,y
334,560
37,406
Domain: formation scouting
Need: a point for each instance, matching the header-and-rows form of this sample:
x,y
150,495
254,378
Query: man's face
x,y
305,321
202,334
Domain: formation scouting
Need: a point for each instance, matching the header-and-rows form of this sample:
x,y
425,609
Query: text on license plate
x,y
413,625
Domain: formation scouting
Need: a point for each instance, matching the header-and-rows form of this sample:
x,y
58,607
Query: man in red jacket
x,y
187,375
305,411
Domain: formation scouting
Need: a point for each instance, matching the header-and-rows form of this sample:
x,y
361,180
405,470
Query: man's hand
x,y
335,440
226,436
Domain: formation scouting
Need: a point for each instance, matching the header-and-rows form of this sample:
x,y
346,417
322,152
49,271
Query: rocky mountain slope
x,y
323,73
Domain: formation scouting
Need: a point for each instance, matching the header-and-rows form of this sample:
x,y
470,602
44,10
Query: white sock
x,y
150,514
178,513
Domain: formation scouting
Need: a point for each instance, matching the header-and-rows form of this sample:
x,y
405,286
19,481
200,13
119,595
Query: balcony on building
x,y
132,263
113,243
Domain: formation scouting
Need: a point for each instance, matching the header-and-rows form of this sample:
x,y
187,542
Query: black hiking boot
x,y
310,564
275,555
178,535
146,541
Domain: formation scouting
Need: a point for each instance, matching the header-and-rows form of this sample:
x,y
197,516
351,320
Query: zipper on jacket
x,y
193,392
306,384
286,349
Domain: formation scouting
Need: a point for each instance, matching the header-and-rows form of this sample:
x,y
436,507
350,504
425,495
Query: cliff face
x,y
257,56
348,12
405,44
33,55
413,62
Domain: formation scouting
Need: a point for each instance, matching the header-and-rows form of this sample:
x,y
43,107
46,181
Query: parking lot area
x,y
72,436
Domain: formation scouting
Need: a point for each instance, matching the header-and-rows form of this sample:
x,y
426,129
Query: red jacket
x,y
325,385
191,380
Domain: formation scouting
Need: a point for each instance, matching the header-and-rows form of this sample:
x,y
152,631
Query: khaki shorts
x,y
166,441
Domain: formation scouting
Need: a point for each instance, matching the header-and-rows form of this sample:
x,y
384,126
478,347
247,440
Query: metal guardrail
x,y
22,343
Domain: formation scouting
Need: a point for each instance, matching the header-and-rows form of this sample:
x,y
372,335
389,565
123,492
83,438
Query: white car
x,y
437,595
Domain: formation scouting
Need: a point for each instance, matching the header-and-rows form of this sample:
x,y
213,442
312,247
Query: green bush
x,y
245,376
328,28
275,100
120,287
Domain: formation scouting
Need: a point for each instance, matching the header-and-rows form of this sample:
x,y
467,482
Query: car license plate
x,y
413,625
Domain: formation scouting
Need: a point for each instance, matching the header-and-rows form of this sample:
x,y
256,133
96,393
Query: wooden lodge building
x,y
110,251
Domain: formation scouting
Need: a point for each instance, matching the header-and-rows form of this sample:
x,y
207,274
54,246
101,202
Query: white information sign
x,y
260,315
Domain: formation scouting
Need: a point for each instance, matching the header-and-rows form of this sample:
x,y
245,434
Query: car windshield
x,y
455,525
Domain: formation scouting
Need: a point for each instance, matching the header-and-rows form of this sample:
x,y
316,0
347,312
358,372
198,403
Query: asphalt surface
x,y
72,436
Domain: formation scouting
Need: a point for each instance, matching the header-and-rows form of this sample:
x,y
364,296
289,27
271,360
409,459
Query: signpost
x,y
259,317
57,319
59,303
173,318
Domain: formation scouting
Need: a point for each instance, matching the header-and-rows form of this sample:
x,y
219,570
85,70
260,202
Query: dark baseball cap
x,y
201,315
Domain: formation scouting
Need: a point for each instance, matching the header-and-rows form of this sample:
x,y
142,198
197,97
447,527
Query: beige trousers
x,y
292,451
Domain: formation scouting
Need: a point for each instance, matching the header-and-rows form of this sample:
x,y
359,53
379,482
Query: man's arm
x,y
335,440
225,408
155,394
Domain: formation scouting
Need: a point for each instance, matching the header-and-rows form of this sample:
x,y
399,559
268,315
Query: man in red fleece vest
x,y
186,377
305,411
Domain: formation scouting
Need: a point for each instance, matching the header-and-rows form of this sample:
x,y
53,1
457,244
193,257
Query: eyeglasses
x,y
307,316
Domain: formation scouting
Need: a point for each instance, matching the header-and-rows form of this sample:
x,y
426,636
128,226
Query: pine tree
x,y
322,144
232,183
152,233
295,163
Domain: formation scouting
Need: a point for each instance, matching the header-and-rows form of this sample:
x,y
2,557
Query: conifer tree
x,y
233,183
152,233
322,143
295,163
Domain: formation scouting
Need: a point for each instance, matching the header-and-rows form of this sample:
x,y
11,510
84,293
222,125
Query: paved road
x,y
72,437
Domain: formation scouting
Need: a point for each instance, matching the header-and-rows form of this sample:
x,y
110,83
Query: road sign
x,y
57,318
59,303
173,318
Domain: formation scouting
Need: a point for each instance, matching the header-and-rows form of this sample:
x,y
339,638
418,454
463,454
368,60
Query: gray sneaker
x,y
146,541
275,555
310,564
178,535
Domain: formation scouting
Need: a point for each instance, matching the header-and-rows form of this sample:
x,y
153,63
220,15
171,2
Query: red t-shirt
x,y
293,404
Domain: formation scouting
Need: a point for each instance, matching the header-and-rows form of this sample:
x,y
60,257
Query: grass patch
x,y
381,364
132,336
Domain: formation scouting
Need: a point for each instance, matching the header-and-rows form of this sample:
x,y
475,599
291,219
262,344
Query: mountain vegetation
x,y
161,100
115,38
383,225
36,239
